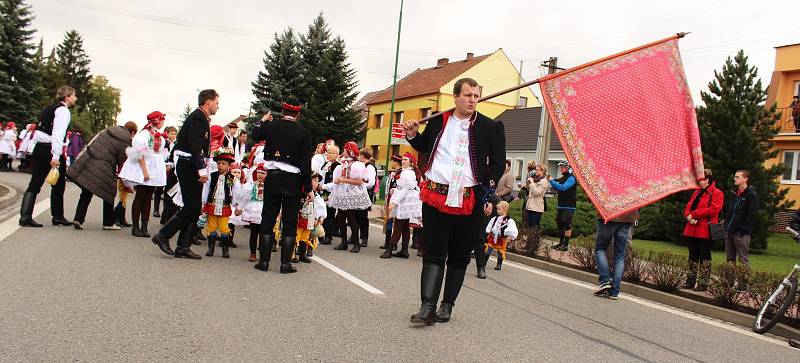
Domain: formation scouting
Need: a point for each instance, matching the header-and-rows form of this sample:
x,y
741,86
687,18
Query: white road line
x,y
12,224
669,309
348,276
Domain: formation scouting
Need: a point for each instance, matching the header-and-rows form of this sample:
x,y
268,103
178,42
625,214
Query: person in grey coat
x,y
94,171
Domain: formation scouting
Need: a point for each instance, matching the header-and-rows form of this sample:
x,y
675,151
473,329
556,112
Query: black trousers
x,y
40,159
363,223
699,249
329,224
192,194
281,195
449,238
83,205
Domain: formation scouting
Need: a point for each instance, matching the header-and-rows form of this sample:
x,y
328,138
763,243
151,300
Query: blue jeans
x,y
620,233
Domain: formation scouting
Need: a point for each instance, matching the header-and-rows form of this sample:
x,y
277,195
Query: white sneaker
x,y
112,227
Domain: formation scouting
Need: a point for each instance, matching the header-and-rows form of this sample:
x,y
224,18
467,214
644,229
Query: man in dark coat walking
x,y
191,150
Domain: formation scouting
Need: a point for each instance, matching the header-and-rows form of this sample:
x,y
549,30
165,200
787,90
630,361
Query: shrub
x,y
527,243
635,266
761,285
582,251
666,270
723,286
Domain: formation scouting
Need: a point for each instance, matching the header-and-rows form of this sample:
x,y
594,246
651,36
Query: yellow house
x,y
427,91
785,84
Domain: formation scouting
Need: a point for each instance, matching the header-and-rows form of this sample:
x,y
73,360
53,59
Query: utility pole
x,y
519,82
394,93
543,141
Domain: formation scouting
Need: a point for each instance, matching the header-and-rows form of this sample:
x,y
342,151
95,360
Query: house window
x,y
796,88
424,112
398,117
395,150
521,169
522,102
379,121
790,161
375,150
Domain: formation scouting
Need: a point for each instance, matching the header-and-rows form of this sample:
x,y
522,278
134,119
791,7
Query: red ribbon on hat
x,y
292,108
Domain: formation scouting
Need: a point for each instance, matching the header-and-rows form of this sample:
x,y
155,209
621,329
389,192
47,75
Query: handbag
x,y
716,230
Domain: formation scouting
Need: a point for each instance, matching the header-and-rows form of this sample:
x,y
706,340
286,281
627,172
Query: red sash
x,y
435,195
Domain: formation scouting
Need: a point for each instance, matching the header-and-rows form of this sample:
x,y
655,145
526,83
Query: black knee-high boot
x,y
499,261
253,241
452,286
233,233
212,243
430,286
264,251
287,247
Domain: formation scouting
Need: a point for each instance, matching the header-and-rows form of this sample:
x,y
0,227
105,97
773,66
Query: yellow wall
x,y
411,108
787,72
787,58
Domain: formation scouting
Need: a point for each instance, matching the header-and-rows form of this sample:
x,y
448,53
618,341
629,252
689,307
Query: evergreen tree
x,y
73,63
336,95
51,79
17,74
283,74
187,110
736,131
104,105
312,48
41,94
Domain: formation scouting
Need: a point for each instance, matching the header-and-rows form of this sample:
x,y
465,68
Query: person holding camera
x,y
535,203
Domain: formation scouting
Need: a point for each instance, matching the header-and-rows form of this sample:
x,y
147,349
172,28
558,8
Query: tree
x,y
736,129
283,74
104,104
336,95
187,110
73,64
312,48
17,74
51,78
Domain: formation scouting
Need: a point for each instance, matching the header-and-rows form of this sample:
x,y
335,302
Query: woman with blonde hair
x,y
535,204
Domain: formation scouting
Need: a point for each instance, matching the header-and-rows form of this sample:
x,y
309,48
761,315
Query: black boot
x,y
342,246
264,245
387,253
356,246
136,231
26,211
499,262
198,236
122,221
225,243
430,285
212,244
325,241
452,286
185,239
233,233
143,230
301,253
287,247
363,242
691,276
403,253
480,262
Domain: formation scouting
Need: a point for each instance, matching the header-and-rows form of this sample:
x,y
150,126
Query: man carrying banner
x,y
467,156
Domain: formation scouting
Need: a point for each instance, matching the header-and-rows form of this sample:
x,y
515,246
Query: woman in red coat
x,y
703,208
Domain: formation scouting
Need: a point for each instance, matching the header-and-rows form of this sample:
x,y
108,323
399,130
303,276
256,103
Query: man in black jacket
x,y
287,157
741,213
466,158
191,150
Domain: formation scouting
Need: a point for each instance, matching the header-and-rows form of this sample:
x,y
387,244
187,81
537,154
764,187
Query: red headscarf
x,y
217,135
259,168
352,148
253,153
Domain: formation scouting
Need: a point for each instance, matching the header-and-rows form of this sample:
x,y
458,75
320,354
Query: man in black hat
x,y
191,149
287,156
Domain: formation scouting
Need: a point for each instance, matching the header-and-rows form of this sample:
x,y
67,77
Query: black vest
x,y
47,117
568,198
213,186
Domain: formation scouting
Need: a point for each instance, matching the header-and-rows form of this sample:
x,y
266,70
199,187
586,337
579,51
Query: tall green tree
x,y
102,109
51,78
73,64
336,95
17,73
313,47
283,74
736,128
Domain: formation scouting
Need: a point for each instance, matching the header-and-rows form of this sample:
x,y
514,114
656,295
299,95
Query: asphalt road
x,y
96,295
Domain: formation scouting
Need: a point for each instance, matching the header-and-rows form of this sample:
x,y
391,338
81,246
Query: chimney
x,y
442,61
470,55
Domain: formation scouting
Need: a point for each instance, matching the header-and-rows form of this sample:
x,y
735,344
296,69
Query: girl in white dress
x,y
145,169
8,146
348,195
404,205
250,202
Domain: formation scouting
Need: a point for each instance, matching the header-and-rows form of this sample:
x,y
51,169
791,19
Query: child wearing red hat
x,y
218,194
348,195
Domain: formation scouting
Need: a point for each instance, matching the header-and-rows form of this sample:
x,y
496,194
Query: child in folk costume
x,y
218,194
501,229
26,144
236,170
309,223
216,136
250,203
332,156
8,146
404,205
391,185
348,195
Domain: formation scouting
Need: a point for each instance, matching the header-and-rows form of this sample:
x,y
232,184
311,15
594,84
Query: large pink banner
x,y
628,127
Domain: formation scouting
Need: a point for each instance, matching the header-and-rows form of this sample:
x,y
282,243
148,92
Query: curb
x,y
10,197
661,297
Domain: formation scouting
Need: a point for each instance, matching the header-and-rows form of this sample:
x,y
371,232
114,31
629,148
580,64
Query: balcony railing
x,y
787,123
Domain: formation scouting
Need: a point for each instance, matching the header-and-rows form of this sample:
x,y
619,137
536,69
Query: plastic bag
x,y
52,176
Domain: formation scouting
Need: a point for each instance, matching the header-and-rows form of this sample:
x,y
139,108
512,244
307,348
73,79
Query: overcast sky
x,y
159,53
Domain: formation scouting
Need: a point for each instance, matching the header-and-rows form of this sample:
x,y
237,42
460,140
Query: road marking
x,y
348,276
669,309
11,225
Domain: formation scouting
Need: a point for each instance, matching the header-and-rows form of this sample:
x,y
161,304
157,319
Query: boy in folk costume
x,y
250,203
500,230
217,135
218,194
308,221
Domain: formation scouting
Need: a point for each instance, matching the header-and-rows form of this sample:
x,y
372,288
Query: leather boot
x,y
198,236
403,253
184,241
225,243
233,233
342,246
691,276
301,253
387,252
480,262
122,221
287,247
212,243
143,230
452,286
136,231
264,249
499,262
430,285
61,221
325,241
26,211
356,246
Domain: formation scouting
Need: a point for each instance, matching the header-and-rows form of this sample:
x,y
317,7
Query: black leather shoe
x,y
29,222
156,214
143,230
356,247
445,310
363,243
162,243
387,253
482,272
186,253
325,241
288,269
426,315
342,246
61,221
403,253
135,231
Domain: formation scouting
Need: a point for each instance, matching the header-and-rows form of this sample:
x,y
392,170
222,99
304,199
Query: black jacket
x,y
487,146
193,138
287,142
741,211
